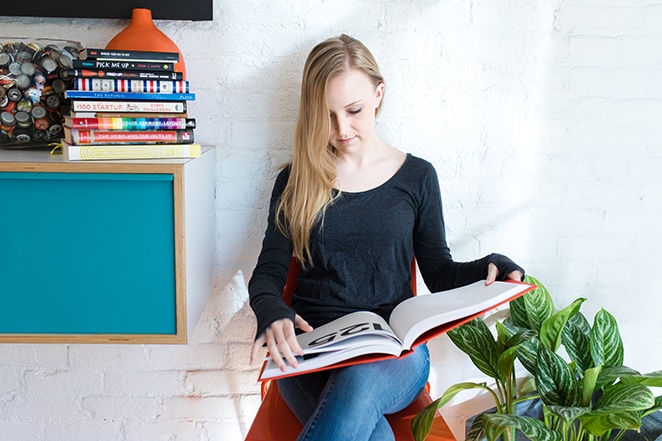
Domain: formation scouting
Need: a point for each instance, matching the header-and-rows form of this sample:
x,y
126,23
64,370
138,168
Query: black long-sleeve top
x,y
362,251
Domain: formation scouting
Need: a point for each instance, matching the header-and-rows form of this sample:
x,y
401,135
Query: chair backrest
x,y
275,421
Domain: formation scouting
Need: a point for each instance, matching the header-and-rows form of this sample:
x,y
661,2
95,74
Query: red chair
x,y
276,422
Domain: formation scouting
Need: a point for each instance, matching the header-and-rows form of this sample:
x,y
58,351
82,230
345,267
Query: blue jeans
x,y
350,403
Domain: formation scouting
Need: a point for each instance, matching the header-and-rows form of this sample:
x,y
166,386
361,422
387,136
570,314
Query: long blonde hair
x,y
309,189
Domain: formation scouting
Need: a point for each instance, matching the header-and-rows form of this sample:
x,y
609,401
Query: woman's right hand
x,y
280,339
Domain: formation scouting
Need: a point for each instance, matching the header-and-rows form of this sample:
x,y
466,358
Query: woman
x,y
354,210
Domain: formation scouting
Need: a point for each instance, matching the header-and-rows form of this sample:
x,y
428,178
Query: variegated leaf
x,y
527,351
556,383
534,429
533,308
598,424
551,329
611,374
422,422
625,397
476,340
652,379
476,432
606,344
576,336
568,414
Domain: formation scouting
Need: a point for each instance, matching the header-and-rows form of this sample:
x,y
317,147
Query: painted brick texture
x,y
542,119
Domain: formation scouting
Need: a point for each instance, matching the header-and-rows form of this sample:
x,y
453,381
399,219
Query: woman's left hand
x,y
493,273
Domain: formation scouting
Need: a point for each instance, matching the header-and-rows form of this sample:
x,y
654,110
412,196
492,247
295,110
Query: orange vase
x,y
143,35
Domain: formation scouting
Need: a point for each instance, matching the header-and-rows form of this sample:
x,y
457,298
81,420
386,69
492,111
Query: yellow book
x,y
130,151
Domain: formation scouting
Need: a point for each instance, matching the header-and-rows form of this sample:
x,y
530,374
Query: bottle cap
x,y
21,135
24,55
55,130
39,111
15,68
7,119
5,59
23,119
58,85
28,68
53,102
24,106
41,124
23,81
48,64
14,94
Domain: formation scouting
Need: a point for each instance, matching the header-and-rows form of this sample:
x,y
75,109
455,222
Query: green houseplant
x,y
591,397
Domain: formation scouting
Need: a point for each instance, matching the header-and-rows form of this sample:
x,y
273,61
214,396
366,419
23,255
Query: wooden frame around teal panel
x,y
92,253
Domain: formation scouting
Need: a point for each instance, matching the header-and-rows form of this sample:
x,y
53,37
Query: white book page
x,y
317,358
345,329
417,315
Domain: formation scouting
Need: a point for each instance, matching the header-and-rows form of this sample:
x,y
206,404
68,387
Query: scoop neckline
x,y
383,184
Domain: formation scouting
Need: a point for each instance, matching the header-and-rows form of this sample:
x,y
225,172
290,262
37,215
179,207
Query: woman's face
x,y
352,101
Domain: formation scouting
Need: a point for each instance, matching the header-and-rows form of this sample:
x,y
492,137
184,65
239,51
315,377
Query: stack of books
x,y
127,105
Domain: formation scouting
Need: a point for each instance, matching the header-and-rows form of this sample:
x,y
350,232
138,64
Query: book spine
x,y
125,115
100,152
110,54
130,123
124,65
128,106
120,74
85,136
138,86
129,96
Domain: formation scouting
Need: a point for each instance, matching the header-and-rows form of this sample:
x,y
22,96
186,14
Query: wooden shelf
x,y
104,251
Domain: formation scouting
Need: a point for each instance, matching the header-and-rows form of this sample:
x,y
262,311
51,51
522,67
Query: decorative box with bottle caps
x,y
31,90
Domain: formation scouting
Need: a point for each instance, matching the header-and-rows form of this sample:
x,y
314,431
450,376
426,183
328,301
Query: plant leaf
x,y
495,424
551,329
422,422
533,308
598,424
575,337
475,339
476,431
652,379
568,414
588,385
606,344
527,351
507,361
624,397
610,374
527,354
556,383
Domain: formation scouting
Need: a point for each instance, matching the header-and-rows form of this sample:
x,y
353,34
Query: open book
x,y
363,336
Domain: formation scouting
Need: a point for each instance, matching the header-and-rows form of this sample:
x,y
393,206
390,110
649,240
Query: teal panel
x,y
87,253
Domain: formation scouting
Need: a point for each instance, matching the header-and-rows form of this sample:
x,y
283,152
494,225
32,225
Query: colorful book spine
x,y
106,152
66,74
130,123
85,136
128,106
111,54
138,86
128,96
124,115
124,65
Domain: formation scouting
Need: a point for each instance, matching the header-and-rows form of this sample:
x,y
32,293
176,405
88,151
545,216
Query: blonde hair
x,y
309,189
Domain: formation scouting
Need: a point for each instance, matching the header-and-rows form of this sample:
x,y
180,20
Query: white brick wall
x,y
542,118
